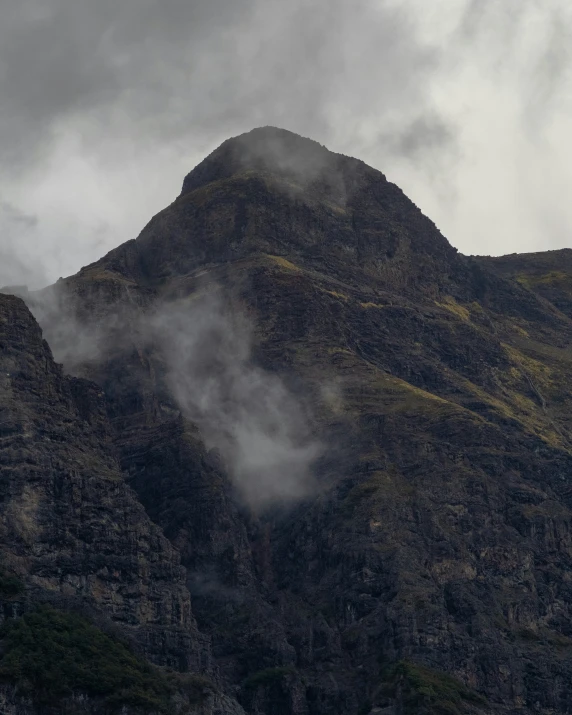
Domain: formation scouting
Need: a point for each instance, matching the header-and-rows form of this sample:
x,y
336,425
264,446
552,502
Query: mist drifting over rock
x,y
247,414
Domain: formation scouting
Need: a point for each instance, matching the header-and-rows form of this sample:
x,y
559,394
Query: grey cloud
x,y
528,43
18,265
179,68
427,133
62,60
13,215
488,18
552,71
207,583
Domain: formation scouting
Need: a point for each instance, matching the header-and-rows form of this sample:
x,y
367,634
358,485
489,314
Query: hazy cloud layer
x,y
466,104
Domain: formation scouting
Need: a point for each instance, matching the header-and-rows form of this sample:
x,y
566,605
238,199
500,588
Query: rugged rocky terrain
x,y
299,446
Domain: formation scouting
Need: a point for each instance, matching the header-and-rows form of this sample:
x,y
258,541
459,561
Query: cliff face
x,y
423,565
72,533
69,523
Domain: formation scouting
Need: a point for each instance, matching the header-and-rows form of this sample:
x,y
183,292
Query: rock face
x,y
427,568
69,522
71,531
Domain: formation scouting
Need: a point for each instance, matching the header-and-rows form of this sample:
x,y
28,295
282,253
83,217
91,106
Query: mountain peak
x,y
272,192
265,149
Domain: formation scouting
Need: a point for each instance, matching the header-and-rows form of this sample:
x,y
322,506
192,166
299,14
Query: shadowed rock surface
x,y
428,568
73,534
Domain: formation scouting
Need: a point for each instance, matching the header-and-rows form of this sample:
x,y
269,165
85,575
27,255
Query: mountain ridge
x,y
426,570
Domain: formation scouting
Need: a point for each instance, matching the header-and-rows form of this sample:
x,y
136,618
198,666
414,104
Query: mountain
x,y
300,447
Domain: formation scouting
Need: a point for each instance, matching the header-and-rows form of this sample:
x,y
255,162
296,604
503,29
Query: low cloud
x,y
18,264
207,583
260,428
78,341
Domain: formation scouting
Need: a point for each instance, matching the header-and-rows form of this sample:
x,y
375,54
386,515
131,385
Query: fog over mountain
x,y
463,103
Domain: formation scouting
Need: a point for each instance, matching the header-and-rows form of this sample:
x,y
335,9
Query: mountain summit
x,y
267,150
302,458
273,193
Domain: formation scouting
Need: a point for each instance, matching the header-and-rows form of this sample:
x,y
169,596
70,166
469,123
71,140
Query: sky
x,y
107,104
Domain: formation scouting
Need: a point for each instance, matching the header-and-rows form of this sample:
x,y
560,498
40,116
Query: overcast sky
x,y
107,104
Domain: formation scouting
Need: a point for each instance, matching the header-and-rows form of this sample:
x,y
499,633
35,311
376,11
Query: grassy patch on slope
x,y
50,655
424,690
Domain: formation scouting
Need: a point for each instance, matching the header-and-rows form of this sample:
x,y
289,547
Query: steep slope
x,y
548,274
73,536
428,570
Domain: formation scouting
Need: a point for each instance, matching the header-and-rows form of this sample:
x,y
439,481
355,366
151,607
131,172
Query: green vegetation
x,y
516,406
51,654
372,305
545,636
450,304
553,278
267,677
520,331
98,273
335,294
284,263
425,690
10,585
538,371
365,492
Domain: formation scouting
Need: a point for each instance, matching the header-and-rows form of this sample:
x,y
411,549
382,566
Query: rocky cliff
x,y
73,535
292,398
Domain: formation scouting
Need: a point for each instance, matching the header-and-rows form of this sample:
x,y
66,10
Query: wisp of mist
x,y
248,414
259,427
